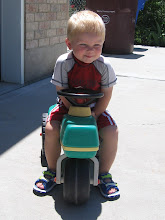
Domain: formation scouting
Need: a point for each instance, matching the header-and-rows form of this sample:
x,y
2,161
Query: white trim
x,y
1,40
22,41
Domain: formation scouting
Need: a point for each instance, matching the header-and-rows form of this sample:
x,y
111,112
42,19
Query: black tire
x,y
43,157
43,160
76,187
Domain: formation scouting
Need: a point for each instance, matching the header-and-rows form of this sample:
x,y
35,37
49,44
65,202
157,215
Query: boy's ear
x,y
68,43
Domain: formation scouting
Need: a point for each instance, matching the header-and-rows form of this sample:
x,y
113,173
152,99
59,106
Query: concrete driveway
x,y
138,106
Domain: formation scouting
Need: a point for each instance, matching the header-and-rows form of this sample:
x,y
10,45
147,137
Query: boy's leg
x,y
52,146
108,149
52,143
108,132
52,135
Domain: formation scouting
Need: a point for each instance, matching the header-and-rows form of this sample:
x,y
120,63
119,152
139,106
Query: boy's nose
x,y
90,48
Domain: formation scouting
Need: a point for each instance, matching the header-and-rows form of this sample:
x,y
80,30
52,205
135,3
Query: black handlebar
x,y
71,94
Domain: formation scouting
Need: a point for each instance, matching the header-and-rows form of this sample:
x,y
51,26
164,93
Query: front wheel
x,y
76,187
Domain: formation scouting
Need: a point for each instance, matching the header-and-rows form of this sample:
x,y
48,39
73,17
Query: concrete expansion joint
x,y
141,78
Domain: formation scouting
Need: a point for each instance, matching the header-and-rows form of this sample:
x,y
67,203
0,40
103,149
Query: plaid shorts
x,y
60,110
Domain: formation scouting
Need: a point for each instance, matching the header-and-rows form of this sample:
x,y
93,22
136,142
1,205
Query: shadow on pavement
x,y
21,111
133,56
140,49
88,211
91,210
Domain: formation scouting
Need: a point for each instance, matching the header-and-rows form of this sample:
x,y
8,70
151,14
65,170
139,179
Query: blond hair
x,y
85,21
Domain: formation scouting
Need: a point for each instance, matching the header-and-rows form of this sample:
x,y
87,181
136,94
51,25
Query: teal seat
x,y
79,136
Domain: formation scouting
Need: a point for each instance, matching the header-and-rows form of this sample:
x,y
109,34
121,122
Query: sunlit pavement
x,y
137,105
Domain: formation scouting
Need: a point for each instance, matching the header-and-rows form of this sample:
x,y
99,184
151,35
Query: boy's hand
x,y
103,102
64,100
94,115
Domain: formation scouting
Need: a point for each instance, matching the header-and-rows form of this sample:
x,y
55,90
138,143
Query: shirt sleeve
x,y
108,76
60,76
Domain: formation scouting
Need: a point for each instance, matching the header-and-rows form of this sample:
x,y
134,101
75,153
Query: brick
x,y
40,16
40,34
62,38
30,35
52,1
46,22
58,24
62,1
31,8
51,32
61,31
43,42
54,40
32,26
31,44
35,1
45,25
55,24
44,7
63,23
55,8
62,15
41,1
64,8
51,16
29,17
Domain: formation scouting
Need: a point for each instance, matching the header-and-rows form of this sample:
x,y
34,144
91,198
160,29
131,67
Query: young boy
x,y
83,67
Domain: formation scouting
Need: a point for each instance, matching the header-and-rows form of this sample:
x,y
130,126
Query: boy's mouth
x,y
88,56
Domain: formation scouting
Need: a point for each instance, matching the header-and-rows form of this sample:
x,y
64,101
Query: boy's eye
x,y
94,46
97,45
83,45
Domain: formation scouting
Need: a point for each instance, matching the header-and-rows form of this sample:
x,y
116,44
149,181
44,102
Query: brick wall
x,y
45,22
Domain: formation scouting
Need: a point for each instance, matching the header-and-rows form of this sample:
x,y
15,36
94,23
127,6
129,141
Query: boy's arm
x,y
64,100
103,102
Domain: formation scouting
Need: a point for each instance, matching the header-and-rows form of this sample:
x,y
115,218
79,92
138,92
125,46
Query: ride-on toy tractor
x,y
78,167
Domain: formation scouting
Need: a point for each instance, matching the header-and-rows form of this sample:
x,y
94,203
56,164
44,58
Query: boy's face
x,y
86,47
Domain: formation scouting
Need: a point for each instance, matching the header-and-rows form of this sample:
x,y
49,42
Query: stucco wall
x,y
45,33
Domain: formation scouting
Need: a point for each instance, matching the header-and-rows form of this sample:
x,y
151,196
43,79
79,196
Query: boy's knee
x,y
115,129
109,132
112,130
52,127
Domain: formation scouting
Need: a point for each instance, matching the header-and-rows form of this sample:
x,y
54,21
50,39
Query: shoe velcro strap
x,y
49,174
111,184
106,176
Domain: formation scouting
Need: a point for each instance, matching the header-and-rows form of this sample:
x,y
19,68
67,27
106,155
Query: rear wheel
x,y
76,187
43,157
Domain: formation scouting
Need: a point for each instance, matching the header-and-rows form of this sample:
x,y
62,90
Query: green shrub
x,y
150,27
